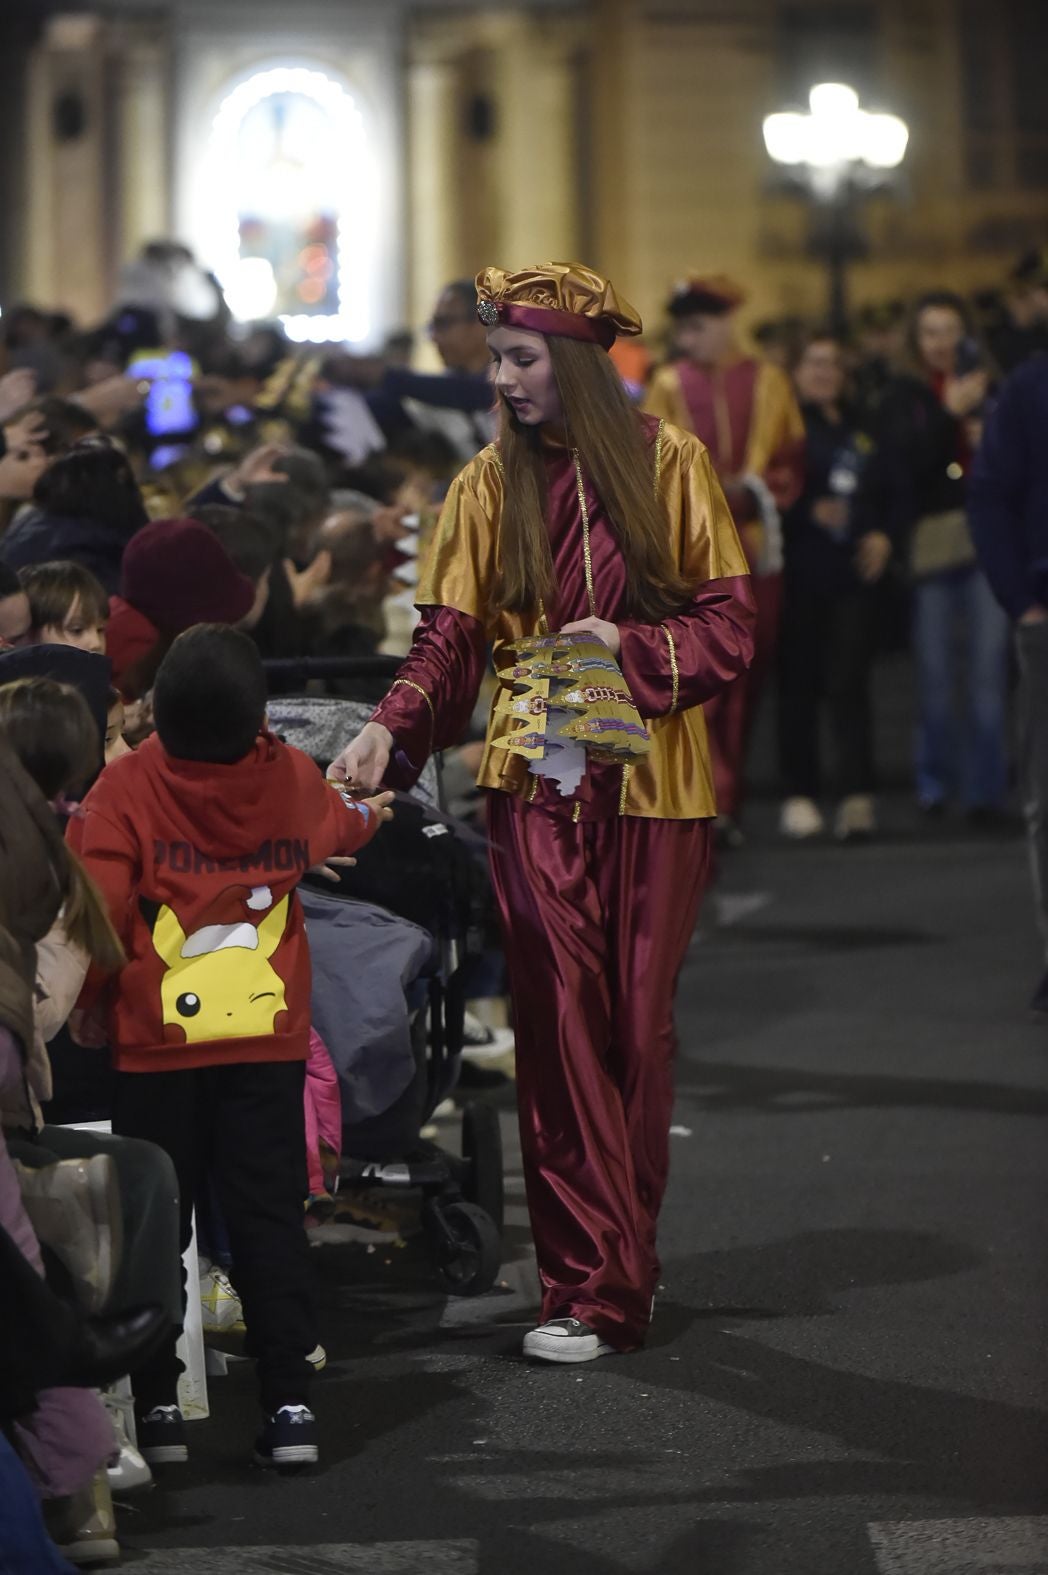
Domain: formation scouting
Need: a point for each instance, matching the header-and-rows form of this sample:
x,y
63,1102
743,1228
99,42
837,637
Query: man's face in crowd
x,y
15,622
458,334
703,338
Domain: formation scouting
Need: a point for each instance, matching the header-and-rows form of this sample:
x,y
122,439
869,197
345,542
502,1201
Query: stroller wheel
x,y
482,1150
469,1248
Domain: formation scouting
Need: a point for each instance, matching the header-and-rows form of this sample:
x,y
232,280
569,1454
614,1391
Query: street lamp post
x,y
836,150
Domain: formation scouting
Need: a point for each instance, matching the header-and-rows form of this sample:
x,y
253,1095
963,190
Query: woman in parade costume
x,y
584,516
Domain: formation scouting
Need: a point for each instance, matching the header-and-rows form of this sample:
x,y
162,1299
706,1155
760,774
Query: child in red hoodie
x,y
197,841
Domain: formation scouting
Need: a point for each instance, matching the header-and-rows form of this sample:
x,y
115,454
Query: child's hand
x,y
329,869
379,806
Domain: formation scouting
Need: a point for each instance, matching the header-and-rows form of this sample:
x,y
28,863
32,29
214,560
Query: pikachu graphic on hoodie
x,y
220,983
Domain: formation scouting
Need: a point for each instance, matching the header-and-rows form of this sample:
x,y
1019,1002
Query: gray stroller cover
x,y
364,960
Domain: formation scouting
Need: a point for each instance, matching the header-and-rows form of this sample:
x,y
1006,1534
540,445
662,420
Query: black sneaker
x,y
288,1438
162,1436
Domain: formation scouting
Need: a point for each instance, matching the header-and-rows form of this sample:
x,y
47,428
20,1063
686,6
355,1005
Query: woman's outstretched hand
x,y
604,631
362,764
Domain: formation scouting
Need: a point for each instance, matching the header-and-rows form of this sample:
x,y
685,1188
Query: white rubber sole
x,y
166,1455
96,1550
564,1349
289,1455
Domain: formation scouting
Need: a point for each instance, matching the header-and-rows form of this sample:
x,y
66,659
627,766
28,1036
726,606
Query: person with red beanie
x,y
176,573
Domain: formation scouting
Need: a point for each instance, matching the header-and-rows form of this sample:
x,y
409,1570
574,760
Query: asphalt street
x,y
846,1372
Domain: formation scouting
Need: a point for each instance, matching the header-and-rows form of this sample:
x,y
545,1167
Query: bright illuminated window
x,y
292,204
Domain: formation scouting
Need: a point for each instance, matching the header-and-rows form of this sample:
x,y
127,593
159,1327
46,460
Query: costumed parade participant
x,y
607,529
746,413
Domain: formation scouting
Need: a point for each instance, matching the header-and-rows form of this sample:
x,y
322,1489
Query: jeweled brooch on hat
x,y
488,313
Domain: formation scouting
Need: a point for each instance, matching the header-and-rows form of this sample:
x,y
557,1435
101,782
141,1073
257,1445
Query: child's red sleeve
x,y
344,825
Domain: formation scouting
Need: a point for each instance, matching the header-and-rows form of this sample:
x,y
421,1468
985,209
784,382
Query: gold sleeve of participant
x,y
459,568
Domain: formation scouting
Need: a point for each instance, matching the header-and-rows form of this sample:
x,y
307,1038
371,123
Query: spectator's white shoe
x,y
800,819
128,1472
481,1043
565,1340
83,1525
220,1308
856,819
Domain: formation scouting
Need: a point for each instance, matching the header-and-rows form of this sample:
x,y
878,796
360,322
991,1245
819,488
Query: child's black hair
x,y
209,699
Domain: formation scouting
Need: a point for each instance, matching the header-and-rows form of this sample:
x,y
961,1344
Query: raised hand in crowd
x,y
113,398
17,388
872,556
255,469
963,395
305,583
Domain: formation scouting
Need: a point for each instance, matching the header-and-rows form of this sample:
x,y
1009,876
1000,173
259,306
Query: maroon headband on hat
x,y
547,320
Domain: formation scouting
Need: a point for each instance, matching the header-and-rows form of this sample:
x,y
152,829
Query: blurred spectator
x,y
1022,327
746,413
1008,507
926,426
457,404
86,506
346,614
176,573
68,605
16,622
250,546
880,344
834,560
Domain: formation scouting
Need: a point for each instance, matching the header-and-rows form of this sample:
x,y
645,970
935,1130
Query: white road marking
x,y
326,1558
1012,1545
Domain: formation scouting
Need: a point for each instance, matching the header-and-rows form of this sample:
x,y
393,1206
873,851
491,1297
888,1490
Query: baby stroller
x,y
388,947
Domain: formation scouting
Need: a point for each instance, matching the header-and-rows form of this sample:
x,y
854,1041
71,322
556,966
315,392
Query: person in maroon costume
x,y
584,515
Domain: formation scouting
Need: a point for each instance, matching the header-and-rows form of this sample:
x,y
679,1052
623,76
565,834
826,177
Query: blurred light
x,y
886,141
307,328
835,133
251,290
786,138
356,202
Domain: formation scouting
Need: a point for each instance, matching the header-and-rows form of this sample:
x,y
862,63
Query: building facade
x,y
395,145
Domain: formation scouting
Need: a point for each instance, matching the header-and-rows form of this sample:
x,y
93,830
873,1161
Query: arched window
x,y
291,181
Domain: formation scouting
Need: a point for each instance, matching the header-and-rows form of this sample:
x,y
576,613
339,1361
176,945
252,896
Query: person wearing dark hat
x,y
176,573
584,517
746,413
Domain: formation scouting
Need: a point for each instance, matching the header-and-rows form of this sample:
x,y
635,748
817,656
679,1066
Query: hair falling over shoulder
x,y
85,920
603,427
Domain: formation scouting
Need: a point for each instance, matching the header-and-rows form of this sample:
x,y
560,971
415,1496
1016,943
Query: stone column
x,y
69,208
537,151
434,196
143,133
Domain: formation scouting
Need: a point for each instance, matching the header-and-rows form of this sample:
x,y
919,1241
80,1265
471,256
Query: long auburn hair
x,y
602,424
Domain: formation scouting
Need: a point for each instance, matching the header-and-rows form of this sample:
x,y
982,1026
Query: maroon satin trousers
x,y
597,917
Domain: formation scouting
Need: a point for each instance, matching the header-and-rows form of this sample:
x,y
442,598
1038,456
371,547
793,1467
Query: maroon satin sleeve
x,y
432,699
712,643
